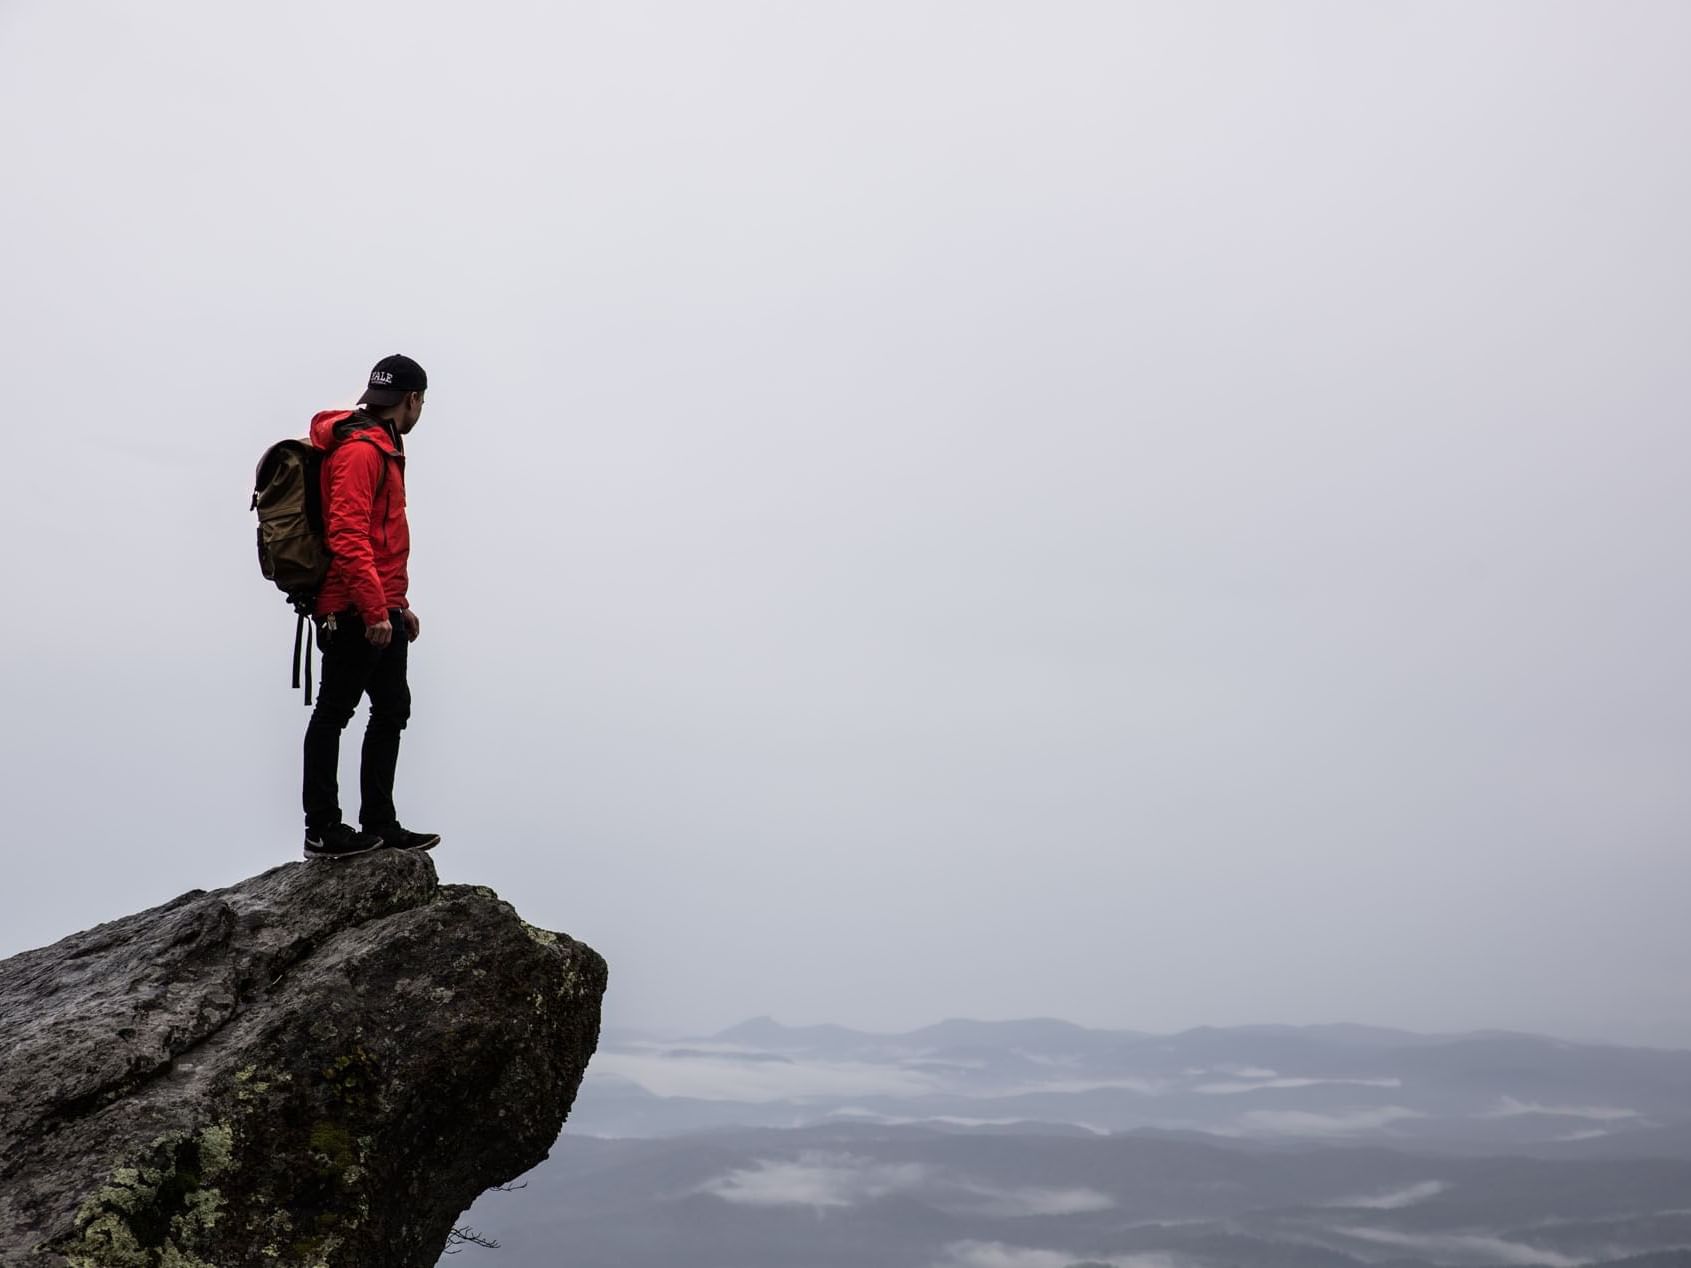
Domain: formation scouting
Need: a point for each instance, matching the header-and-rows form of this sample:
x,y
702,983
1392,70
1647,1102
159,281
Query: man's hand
x,y
380,634
413,626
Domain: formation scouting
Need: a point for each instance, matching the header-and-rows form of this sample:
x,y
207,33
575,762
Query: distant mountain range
x,y
1040,1144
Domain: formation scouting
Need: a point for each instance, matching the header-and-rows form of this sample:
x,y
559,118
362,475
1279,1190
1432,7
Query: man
x,y
364,620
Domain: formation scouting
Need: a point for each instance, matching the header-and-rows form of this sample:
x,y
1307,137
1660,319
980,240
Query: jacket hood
x,y
327,431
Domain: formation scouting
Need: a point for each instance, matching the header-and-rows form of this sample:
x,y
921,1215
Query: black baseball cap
x,y
391,379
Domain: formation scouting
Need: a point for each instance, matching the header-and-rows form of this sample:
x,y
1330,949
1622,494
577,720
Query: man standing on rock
x,y
364,621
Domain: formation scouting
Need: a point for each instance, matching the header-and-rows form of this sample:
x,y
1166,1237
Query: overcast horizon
x,y
1147,514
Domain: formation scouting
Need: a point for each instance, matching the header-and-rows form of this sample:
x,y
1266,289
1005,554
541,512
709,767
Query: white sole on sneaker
x,y
340,854
427,844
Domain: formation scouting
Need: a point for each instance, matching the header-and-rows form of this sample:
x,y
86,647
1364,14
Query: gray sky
x,y
1152,514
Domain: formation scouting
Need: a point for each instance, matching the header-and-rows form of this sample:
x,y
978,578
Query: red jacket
x,y
363,515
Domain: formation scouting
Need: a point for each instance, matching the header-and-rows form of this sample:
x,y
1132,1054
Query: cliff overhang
x,y
319,1067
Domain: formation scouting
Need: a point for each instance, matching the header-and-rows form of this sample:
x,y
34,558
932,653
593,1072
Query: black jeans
x,y
353,667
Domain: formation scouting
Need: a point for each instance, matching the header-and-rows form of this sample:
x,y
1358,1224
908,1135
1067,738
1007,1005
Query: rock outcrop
x,y
320,1067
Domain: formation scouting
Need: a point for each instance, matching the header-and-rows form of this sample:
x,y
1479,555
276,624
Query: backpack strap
x,y
387,457
304,637
349,429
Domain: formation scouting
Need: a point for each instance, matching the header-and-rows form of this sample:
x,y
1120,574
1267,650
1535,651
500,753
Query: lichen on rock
x,y
157,1210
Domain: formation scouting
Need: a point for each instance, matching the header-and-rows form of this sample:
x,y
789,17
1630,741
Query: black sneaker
x,y
339,842
397,838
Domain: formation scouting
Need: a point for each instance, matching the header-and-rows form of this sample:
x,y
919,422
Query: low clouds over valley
x,y
1039,1144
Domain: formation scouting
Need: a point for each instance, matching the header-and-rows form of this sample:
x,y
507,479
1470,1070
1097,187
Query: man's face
x,y
410,412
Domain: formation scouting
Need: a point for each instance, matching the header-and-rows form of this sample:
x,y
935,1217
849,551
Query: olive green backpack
x,y
292,549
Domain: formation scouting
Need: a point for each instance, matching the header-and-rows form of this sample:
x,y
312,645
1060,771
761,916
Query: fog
x,y
1154,514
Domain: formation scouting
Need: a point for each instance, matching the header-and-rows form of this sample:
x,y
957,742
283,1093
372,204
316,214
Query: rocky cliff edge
x,y
320,1067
